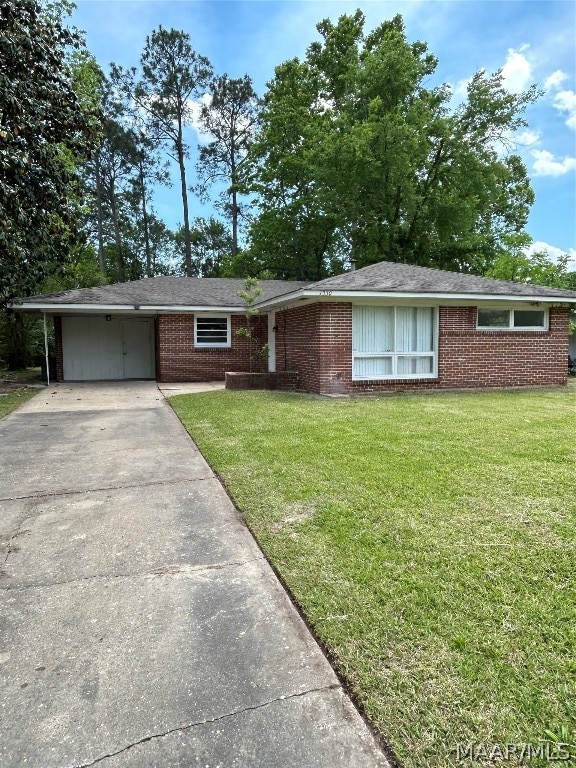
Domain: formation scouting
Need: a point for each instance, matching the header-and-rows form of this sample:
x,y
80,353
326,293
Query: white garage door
x,y
96,349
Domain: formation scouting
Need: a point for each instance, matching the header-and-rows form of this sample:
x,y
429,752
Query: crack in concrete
x,y
9,547
49,494
288,697
167,570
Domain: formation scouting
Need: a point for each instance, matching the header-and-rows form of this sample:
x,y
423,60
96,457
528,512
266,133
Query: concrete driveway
x,y
139,623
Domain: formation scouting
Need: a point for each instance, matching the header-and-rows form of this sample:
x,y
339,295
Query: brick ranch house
x,y
385,327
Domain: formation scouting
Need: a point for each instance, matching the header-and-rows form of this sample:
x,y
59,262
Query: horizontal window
x,y
212,330
512,319
393,342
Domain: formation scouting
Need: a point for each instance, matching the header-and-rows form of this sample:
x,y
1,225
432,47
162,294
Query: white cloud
x,y
527,137
194,111
517,71
555,80
545,164
565,101
461,87
553,251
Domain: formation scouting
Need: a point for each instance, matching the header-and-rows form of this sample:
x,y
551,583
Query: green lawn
x,y
13,388
430,542
11,400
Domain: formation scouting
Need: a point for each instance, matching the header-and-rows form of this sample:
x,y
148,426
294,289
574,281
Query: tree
x,y
249,294
148,171
165,259
538,268
357,157
45,131
119,180
172,76
295,234
211,246
47,128
114,167
230,118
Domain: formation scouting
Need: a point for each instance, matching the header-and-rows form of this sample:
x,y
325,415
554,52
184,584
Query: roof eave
x,y
104,308
330,295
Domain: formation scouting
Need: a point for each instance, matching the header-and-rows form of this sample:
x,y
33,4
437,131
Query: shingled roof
x,y
166,291
390,277
384,278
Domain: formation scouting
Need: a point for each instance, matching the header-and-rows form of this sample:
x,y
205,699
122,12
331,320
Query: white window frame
x,y
511,326
212,345
394,376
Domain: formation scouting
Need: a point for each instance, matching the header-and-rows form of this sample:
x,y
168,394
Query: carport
x,y
169,328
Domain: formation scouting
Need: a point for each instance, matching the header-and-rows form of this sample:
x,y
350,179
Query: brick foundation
x,y
285,380
316,341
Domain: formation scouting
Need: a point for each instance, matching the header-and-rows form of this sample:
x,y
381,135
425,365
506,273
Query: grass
x,y
429,540
23,375
14,391
9,401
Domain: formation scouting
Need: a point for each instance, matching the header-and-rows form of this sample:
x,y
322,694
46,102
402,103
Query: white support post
x,y
46,351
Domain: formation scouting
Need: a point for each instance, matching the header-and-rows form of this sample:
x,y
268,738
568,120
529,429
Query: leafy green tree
x,y
537,268
47,129
114,166
172,76
44,131
119,180
148,171
229,118
90,84
357,157
211,247
164,256
570,280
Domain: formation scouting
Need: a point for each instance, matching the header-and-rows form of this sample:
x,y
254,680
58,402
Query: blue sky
x,y
534,41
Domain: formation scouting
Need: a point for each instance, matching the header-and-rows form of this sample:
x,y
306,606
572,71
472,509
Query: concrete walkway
x,y
139,623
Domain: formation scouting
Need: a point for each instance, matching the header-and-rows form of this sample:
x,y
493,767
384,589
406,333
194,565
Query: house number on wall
x,y
325,293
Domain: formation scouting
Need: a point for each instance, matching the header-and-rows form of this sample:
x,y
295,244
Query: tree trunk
x,y
234,203
187,243
101,257
117,239
234,223
147,249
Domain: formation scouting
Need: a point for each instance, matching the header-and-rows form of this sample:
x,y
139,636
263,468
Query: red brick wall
x,y
318,342
178,360
335,336
298,344
470,358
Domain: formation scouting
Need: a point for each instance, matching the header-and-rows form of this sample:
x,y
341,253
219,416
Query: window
x,y
212,330
393,342
512,319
